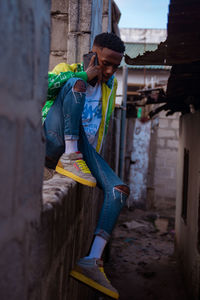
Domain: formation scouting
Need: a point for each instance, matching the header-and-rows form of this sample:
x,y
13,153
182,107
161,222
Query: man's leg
x,y
89,269
115,191
62,128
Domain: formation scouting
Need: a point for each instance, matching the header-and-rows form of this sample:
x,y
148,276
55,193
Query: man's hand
x,y
93,70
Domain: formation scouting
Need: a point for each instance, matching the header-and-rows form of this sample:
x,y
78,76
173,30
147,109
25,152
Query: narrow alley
x,y
63,186
142,264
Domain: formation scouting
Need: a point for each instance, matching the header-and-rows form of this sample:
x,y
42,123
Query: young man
x,y
76,117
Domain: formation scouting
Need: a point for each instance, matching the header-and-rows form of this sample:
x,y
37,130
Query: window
x,y
185,185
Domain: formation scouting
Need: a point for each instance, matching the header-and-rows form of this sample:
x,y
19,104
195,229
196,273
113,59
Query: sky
x,y
143,13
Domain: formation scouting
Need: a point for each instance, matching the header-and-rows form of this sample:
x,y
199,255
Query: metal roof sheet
x,y
135,49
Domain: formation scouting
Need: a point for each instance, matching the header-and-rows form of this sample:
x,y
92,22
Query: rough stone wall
x,y
71,30
59,31
24,57
187,239
165,161
65,233
106,16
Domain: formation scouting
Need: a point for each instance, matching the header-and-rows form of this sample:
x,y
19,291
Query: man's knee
x,y
80,86
123,189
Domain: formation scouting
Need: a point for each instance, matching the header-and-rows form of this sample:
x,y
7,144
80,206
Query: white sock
x,y
97,247
71,146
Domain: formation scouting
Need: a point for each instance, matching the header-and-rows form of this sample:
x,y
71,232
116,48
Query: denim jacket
x,y
58,77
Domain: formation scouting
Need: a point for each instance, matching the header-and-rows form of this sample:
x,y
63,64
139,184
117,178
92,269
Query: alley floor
x,y
142,264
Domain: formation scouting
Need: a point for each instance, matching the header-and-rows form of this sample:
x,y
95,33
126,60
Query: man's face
x,y
109,61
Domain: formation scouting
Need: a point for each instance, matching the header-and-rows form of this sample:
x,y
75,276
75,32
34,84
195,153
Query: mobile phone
x,y
86,60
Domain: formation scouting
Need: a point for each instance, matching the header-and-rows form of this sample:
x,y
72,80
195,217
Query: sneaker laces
x,y
81,164
102,271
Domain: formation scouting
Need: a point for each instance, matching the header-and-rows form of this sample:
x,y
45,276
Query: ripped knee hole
x,y
123,189
80,86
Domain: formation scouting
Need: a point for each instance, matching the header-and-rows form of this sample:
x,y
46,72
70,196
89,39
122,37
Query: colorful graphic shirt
x,y
92,113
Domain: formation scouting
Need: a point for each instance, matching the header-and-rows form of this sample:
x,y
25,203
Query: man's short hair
x,y
110,41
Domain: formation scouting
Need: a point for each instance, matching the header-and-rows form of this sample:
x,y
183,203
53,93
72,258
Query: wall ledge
x,y
68,220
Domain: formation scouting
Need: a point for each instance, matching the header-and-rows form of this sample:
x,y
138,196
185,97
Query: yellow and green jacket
x,y
63,72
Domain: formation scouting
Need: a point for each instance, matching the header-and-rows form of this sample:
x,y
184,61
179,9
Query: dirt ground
x,y
142,264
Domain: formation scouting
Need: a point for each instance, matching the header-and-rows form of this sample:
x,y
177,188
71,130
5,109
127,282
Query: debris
x,y
133,225
151,217
162,225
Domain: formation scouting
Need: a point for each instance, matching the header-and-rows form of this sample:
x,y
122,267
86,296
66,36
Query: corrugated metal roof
x,y
135,49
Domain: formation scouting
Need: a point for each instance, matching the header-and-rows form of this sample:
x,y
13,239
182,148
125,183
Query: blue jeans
x,y
64,122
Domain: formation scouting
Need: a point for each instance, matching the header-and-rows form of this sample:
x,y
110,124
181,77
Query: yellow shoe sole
x,y
64,172
93,284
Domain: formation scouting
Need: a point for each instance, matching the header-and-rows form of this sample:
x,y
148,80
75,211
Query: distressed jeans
x,y
64,122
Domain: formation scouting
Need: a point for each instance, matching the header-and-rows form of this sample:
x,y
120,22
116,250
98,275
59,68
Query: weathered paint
x,y
140,160
188,231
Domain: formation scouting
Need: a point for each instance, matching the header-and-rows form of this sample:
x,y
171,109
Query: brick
x,y
161,142
165,192
56,59
73,16
84,41
174,124
163,172
163,123
162,153
60,6
162,133
59,33
160,162
173,144
72,44
86,15
171,162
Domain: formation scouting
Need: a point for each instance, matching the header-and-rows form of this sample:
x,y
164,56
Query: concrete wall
x,y
41,235
74,27
25,40
64,235
71,30
187,232
163,154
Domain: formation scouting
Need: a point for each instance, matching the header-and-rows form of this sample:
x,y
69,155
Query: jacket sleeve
x,y
56,81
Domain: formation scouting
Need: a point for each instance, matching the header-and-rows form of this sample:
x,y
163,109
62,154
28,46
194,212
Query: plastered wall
x,y
187,232
24,58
